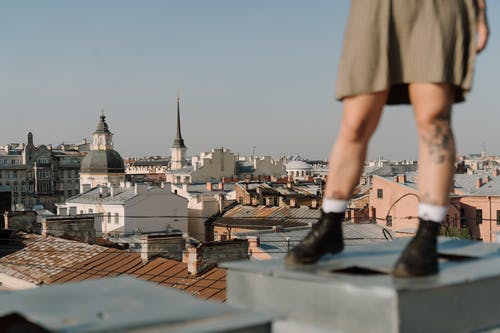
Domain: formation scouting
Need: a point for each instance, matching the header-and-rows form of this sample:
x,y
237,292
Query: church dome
x,y
102,161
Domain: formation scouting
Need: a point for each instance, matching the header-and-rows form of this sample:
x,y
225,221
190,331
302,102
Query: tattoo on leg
x,y
440,141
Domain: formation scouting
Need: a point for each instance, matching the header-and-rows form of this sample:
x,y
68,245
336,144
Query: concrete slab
x,y
353,292
124,304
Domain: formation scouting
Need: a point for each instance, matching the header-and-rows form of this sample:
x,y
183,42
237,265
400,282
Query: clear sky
x,y
250,73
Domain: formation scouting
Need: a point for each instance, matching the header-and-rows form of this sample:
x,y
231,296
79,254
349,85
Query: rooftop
x,y
50,260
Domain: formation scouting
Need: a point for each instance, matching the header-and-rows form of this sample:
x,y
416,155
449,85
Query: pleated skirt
x,y
391,43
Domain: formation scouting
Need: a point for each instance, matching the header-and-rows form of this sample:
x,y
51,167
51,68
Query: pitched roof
x,y
50,260
263,216
33,258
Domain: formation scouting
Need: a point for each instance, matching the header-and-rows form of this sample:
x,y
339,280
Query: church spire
x,y
178,141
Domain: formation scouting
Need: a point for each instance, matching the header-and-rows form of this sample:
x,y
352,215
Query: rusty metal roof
x,y
32,258
263,216
50,260
166,272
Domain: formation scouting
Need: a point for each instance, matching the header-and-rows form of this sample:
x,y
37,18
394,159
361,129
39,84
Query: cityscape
x,y
160,159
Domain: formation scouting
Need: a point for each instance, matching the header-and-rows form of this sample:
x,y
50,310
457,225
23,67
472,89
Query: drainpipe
x,y
489,202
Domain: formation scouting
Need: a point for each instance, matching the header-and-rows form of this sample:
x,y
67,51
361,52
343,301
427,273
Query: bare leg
x,y
432,105
359,120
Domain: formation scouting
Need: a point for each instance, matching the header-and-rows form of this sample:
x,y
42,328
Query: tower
x,y
178,150
102,165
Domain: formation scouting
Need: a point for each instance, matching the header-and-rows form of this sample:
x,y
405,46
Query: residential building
x,y
215,165
205,201
474,204
39,175
128,209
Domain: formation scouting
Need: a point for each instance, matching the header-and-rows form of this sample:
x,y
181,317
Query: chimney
x,y
293,203
478,183
168,246
114,190
204,256
401,179
314,203
210,186
221,186
140,188
78,227
496,172
253,244
486,179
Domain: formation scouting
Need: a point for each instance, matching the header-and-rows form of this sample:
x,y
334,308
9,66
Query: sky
x,y
252,76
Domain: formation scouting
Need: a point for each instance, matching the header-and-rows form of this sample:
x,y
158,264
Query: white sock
x,y
334,205
432,213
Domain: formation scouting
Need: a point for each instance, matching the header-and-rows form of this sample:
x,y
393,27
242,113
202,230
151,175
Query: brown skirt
x,y
391,43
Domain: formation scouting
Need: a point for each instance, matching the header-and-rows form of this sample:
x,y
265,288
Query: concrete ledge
x,y
353,292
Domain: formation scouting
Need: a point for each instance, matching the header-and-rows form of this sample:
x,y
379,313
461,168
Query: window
x,y
388,221
498,217
380,193
479,216
91,210
109,218
117,218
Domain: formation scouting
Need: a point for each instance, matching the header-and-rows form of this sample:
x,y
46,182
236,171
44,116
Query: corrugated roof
x,y
264,216
166,272
33,258
55,260
465,184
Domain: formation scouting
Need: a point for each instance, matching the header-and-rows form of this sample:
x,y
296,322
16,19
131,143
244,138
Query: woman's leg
x,y
432,106
360,119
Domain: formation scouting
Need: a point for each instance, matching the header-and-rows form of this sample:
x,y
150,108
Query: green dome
x,y
102,161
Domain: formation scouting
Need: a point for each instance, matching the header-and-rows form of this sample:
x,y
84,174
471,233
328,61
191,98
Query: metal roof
x,y
267,217
51,260
94,195
277,244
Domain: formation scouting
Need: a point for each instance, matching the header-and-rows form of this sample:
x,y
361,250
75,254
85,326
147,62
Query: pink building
x,y
474,204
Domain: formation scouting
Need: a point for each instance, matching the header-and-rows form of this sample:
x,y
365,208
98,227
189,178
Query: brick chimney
x,y
314,203
478,183
293,203
210,186
221,186
168,246
253,243
204,256
401,179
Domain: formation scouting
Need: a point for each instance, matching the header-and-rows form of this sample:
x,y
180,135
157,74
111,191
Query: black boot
x,y
324,237
420,256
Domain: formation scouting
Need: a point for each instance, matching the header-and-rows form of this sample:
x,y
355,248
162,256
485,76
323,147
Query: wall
x,y
166,246
219,165
22,220
489,205
207,255
79,228
156,209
